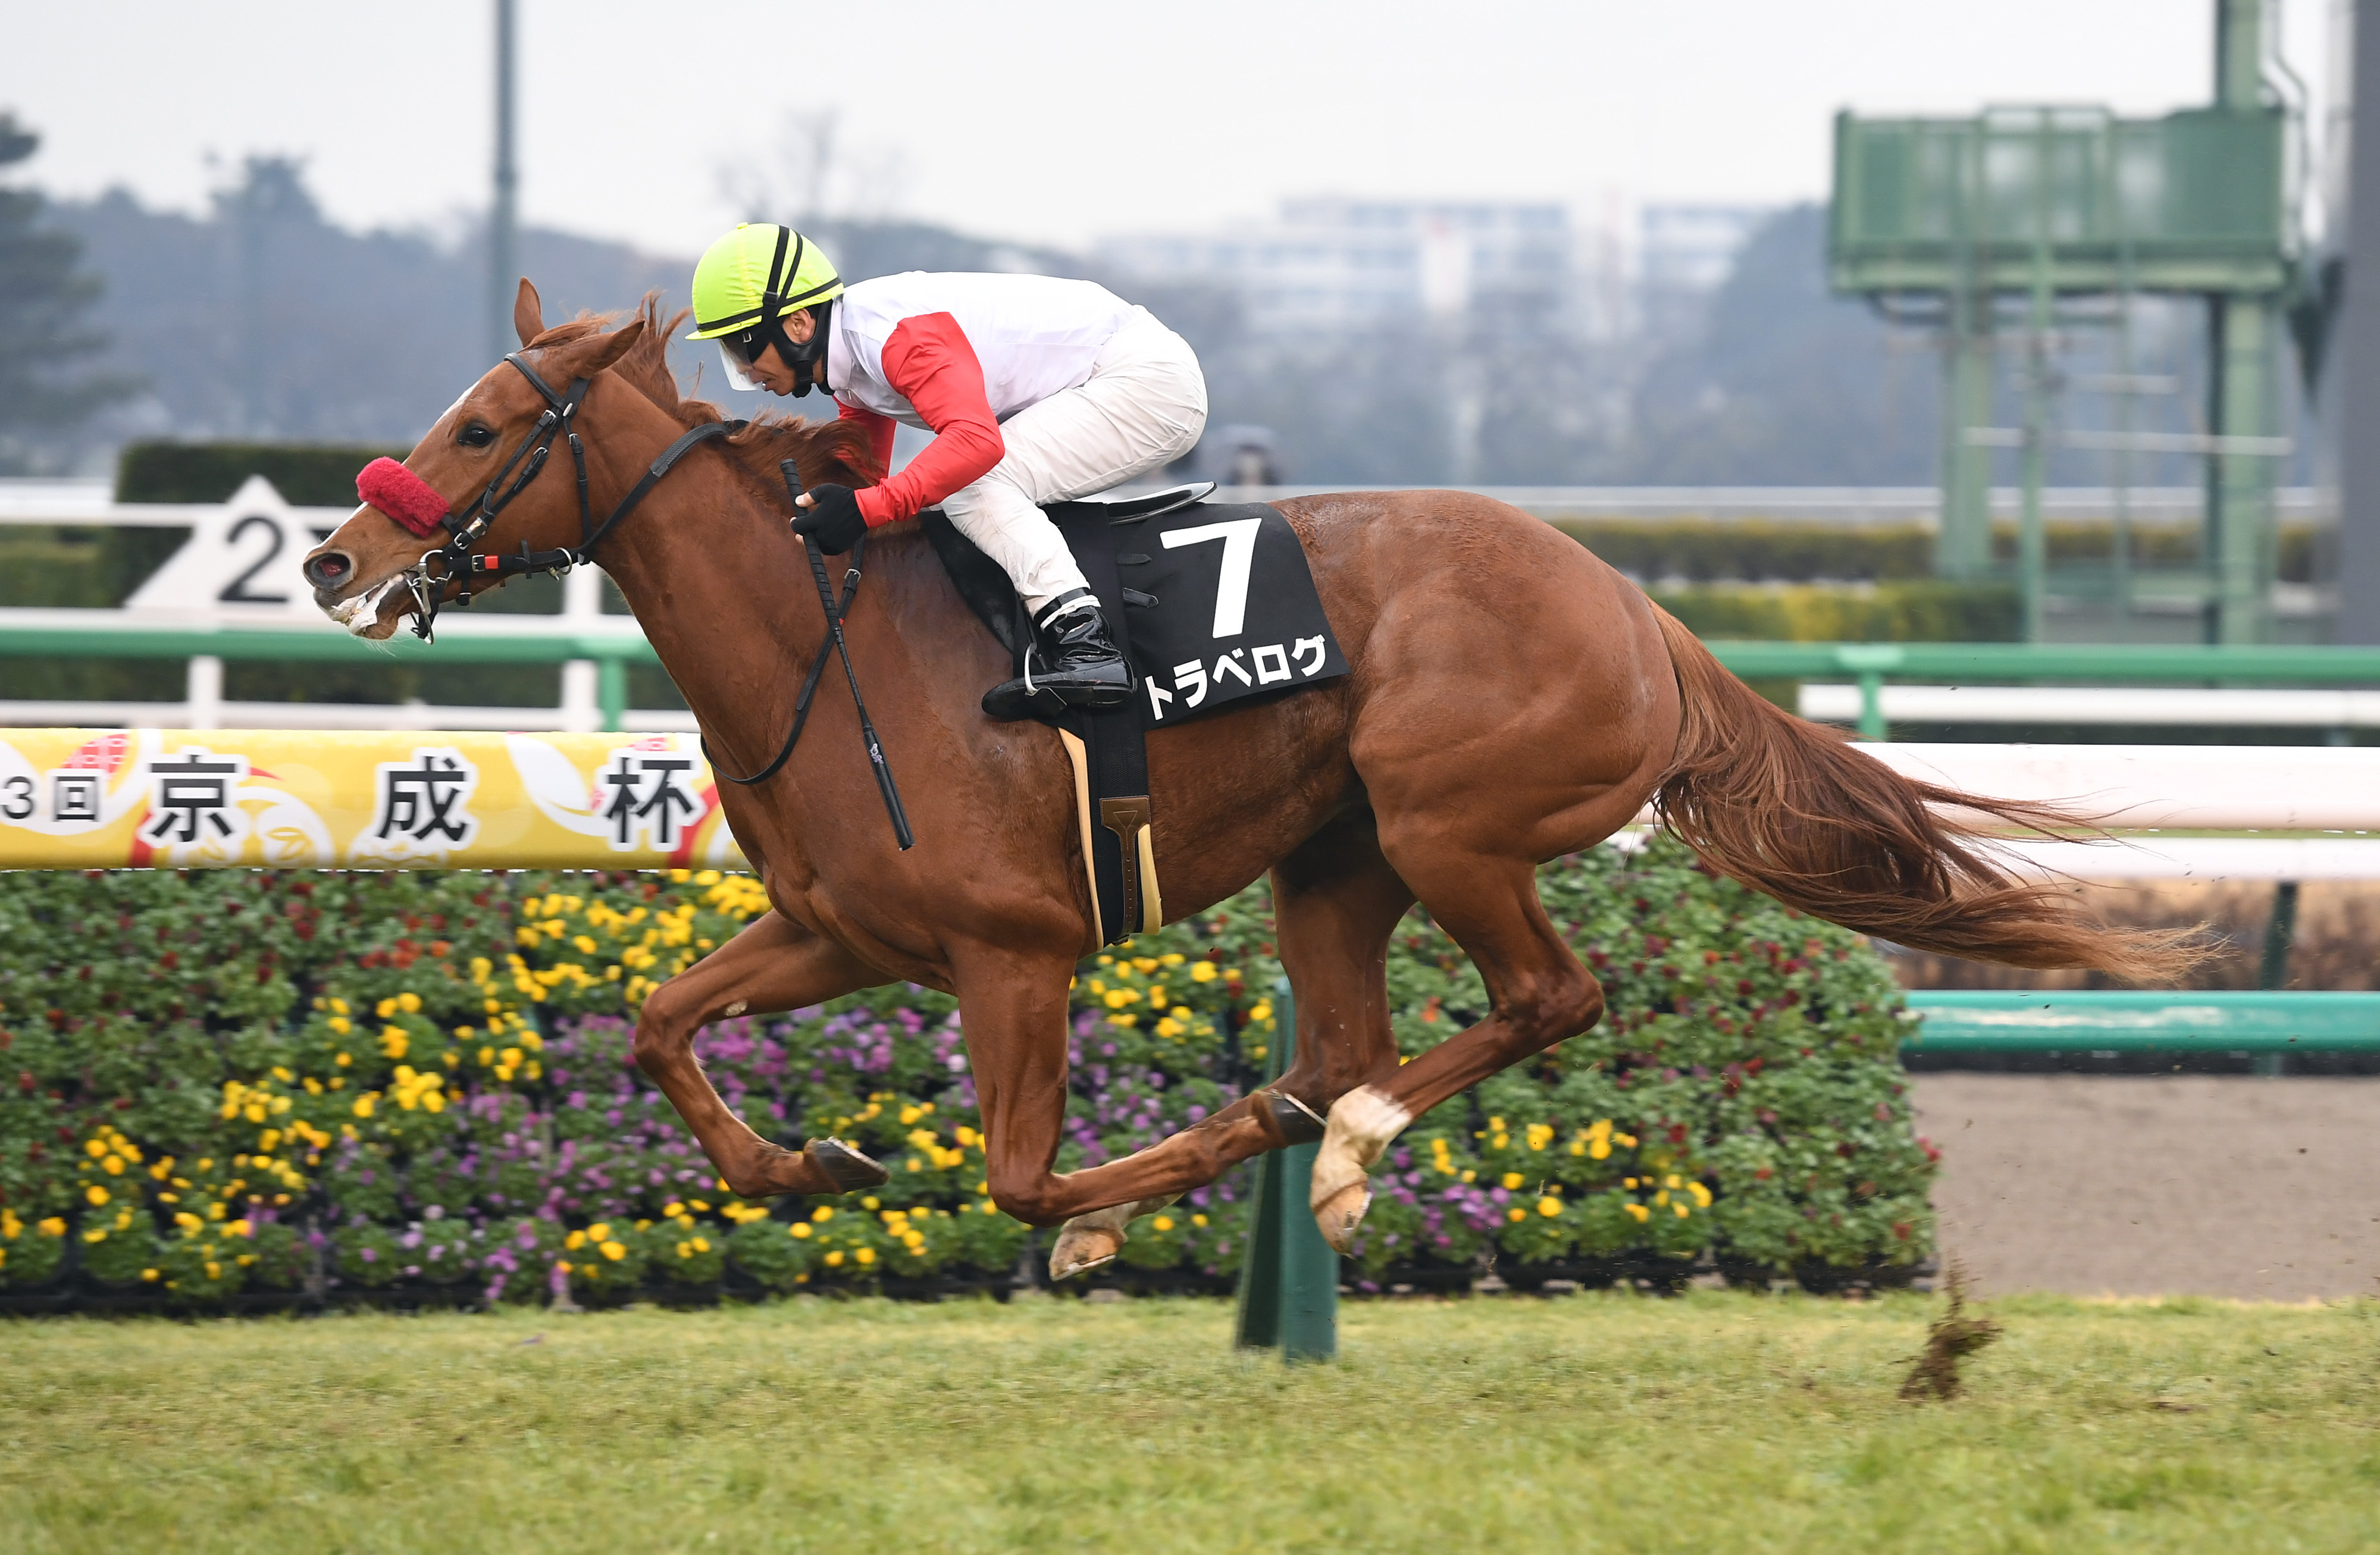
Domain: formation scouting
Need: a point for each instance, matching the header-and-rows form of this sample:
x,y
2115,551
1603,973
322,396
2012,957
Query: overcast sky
x,y
1053,121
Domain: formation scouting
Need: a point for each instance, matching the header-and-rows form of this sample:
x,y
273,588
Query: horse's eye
x,y
476,434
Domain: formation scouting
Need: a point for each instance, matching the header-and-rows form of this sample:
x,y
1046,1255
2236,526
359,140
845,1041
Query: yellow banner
x,y
272,798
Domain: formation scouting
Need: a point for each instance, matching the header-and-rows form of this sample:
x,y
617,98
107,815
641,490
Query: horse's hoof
x,y
847,1168
1340,1214
1362,1124
1081,1249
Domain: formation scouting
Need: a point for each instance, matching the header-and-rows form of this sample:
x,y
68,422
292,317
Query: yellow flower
x,y
111,1165
1163,1222
54,1226
702,1245
599,1232
1203,972
613,1251
341,1024
1702,1194
1550,1207
1516,1214
364,1103
1638,1210
575,1241
823,1212
1672,1181
1511,1181
1680,1210
865,1256
835,1259
410,1002
96,1194
799,1231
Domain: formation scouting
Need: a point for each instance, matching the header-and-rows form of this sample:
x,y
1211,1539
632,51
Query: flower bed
x,y
221,1090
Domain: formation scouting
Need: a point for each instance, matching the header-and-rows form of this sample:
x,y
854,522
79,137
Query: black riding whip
x,y
834,625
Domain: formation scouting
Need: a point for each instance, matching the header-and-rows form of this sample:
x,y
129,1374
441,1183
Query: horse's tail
x,y
1794,810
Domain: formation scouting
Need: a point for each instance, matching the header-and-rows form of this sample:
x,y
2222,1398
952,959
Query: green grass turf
x,y
1714,1422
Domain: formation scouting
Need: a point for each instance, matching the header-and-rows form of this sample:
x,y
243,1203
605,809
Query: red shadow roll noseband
x,y
403,495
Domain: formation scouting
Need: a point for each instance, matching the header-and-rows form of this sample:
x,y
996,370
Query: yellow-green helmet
x,y
756,273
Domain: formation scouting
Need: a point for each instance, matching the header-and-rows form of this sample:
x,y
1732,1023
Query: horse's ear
x,y
528,314
609,348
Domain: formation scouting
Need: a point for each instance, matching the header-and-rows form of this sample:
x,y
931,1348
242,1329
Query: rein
x,y
454,562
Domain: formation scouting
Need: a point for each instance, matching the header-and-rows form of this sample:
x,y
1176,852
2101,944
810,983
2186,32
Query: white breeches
x,y
1143,406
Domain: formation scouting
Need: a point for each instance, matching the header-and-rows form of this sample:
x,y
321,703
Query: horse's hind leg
x,y
772,965
1539,995
1335,903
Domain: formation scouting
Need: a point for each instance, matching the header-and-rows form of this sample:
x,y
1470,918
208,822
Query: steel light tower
x,y
504,213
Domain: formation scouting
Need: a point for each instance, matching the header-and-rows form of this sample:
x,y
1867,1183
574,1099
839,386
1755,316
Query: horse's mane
x,y
835,450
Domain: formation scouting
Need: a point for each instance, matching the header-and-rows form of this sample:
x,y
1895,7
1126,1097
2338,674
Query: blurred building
x,y
1684,253
1326,265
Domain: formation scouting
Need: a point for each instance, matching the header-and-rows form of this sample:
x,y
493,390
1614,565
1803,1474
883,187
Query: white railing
x,y
2167,707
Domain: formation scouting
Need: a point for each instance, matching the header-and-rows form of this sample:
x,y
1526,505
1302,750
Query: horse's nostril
x,y
328,570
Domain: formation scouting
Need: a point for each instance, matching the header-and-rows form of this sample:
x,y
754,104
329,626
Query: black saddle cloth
x,y
1210,602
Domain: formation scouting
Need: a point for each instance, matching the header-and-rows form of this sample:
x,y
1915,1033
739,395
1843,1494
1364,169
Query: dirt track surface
x,y
2267,1189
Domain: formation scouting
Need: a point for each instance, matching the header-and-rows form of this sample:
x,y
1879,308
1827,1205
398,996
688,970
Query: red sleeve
x,y
879,429
929,362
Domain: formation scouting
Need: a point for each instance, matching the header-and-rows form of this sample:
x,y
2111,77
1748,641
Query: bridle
x,y
454,563
457,564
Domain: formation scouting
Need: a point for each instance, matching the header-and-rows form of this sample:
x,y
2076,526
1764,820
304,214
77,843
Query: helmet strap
x,y
807,361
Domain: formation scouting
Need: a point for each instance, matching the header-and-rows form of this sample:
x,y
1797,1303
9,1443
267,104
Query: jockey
x,y
1038,391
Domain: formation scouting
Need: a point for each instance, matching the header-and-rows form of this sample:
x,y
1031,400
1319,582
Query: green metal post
x,y
2240,337
2239,484
2032,545
2275,972
1871,721
1963,546
611,691
1289,1284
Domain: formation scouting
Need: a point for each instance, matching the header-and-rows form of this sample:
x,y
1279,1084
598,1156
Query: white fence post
x,y
203,693
581,714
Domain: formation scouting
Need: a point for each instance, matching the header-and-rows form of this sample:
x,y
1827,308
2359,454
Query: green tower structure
x,y
2020,211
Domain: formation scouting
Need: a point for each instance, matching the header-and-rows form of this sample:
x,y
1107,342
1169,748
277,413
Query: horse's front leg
x,y
1013,1010
773,965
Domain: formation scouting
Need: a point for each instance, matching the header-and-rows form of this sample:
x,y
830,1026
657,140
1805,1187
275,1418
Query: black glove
x,y
832,519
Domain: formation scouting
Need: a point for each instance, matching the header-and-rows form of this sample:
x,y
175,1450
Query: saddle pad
x,y
1213,601
1218,605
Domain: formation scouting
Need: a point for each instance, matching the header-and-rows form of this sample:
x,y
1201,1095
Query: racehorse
x,y
1512,699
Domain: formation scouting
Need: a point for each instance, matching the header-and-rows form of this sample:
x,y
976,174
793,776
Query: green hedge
x,y
214,1085
1918,611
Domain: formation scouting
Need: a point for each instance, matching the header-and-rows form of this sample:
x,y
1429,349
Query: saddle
x,y
1212,604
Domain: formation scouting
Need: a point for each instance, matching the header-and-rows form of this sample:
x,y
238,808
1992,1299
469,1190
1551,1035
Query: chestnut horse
x,y
1512,699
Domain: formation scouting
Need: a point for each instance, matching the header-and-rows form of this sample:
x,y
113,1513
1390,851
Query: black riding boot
x,y
1073,663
